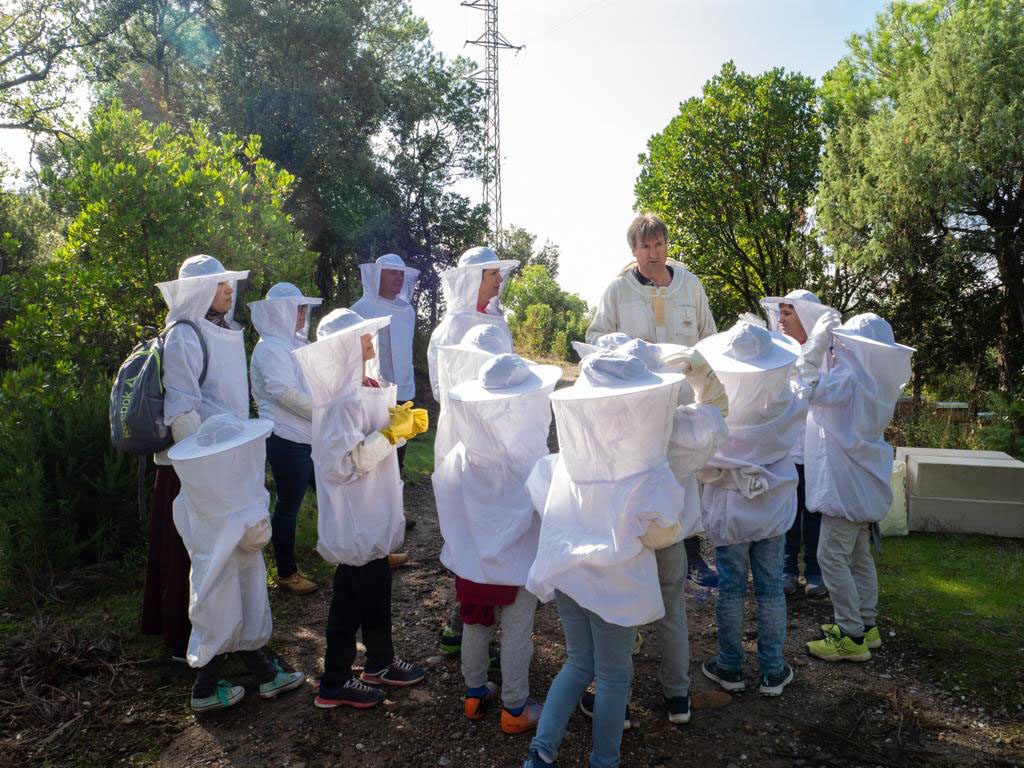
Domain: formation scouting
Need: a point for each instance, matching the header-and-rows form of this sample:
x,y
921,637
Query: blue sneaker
x,y
534,760
224,696
283,681
703,575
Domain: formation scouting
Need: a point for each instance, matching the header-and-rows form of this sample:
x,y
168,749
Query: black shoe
x,y
409,523
587,708
729,680
773,685
678,709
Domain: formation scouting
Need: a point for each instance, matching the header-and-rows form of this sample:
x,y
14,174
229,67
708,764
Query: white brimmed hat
x,y
291,292
486,259
871,330
204,267
338,320
218,434
611,373
506,375
606,341
484,337
748,348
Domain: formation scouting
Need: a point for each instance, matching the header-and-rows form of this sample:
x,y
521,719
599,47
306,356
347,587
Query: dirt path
x,y
875,714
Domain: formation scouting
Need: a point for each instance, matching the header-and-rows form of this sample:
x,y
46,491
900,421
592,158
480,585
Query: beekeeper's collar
x,y
370,275
275,315
190,296
505,376
461,284
748,348
333,364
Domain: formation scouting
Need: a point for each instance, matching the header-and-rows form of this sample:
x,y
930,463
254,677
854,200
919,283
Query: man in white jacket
x,y
656,299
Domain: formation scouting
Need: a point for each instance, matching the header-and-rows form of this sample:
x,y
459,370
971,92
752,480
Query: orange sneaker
x,y
524,721
475,706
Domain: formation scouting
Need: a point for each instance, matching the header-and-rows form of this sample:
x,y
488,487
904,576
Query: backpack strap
x,y
202,343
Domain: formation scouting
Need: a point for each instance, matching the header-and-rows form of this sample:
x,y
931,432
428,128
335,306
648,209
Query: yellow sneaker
x,y
842,648
296,584
872,638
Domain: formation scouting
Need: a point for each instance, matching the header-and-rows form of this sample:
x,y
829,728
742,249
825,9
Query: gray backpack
x,y
137,397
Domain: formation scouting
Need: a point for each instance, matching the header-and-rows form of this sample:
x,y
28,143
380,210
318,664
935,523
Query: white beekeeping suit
x,y
461,286
813,351
751,482
459,362
221,514
610,485
358,487
396,339
487,519
226,387
278,386
848,462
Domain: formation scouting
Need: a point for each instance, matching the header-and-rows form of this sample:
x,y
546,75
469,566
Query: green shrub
x,y
1005,431
67,498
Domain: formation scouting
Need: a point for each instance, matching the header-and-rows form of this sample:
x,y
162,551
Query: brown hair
x,y
645,226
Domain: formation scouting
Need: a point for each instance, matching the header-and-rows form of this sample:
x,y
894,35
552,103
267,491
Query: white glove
x,y
656,537
298,402
697,432
707,389
256,537
747,481
372,451
186,424
817,345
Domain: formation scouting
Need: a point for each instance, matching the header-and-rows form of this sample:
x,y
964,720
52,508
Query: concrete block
x,y
993,518
904,451
959,477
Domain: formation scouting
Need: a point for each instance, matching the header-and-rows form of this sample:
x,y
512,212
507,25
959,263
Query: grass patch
x,y
419,457
960,600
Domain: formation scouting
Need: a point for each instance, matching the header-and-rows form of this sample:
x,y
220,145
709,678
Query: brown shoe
x,y
297,584
398,559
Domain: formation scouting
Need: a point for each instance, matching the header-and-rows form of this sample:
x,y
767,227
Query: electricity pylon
x,y
492,41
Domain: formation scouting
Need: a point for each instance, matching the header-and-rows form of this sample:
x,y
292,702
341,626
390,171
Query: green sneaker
x,y
450,641
842,648
283,681
872,638
226,695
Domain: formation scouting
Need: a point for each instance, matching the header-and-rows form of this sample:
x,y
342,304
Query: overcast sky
x,y
595,80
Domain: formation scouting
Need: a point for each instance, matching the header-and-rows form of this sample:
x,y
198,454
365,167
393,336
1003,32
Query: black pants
x,y
261,667
692,547
361,601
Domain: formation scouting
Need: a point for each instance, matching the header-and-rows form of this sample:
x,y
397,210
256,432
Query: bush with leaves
x,y
141,198
544,318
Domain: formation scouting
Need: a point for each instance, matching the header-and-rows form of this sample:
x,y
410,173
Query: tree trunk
x,y
1003,347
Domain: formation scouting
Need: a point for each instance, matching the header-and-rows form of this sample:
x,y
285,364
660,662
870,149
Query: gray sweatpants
x,y
516,649
848,570
673,636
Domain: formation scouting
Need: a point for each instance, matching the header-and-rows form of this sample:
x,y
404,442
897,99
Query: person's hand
x,y
707,388
420,421
818,341
402,424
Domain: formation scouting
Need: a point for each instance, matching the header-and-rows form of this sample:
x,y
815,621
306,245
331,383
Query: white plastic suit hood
x,y
486,515
807,306
609,483
848,463
360,514
395,341
461,287
189,297
274,316
222,473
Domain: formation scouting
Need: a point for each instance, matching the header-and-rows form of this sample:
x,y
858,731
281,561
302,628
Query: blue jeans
x,y
803,533
291,465
764,558
595,650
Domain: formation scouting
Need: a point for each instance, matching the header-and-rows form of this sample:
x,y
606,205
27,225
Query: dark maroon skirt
x,y
165,595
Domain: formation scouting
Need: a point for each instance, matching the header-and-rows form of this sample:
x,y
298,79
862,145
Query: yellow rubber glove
x,y
420,420
401,426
